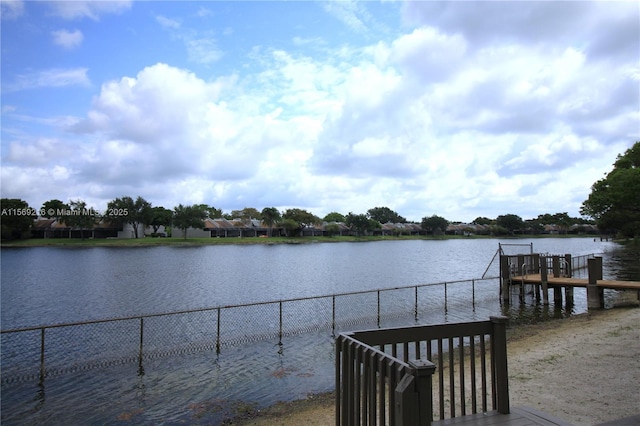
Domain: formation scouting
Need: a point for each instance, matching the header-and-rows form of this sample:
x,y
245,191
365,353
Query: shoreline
x,y
584,369
169,241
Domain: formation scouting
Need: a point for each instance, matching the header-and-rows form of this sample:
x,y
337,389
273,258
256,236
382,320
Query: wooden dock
x,y
520,416
556,272
576,282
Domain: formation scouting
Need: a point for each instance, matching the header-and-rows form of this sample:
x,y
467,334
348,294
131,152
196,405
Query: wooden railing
x,y
391,376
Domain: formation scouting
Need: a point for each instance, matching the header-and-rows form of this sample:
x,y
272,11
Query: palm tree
x,y
271,216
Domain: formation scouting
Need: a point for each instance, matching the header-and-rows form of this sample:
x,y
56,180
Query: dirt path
x,y
585,370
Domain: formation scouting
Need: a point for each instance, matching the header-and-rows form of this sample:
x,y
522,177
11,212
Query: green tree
x,y
614,202
270,216
160,217
483,221
334,217
54,209
302,217
360,223
332,229
534,226
510,222
291,227
212,212
80,216
126,210
17,218
185,217
385,215
435,224
563,221
246,214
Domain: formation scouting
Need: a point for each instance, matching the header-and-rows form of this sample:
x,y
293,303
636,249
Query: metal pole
x,y
141,336
473,292
415,306
218,334
333,315
280,333
140,367
378,308
42,372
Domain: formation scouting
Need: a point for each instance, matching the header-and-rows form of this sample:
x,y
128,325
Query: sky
x,y
455,109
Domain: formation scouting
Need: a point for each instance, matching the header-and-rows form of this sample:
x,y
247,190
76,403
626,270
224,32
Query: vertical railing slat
x,y
373,395
463,410
472,361
483,372
441,378
452,384
382,390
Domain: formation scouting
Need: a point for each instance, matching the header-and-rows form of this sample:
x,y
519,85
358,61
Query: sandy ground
x,y
584,370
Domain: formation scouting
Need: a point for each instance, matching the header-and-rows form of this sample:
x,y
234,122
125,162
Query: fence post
x,y
140,353
42,372
378,308
280,332
598,266
473,292
568,290
557,291
218,334
499,358
555,262
333,315
536,263
504,277
543,278
536,270
414,399
595,295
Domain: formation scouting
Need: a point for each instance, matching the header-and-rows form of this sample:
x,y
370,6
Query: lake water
x,y
52,285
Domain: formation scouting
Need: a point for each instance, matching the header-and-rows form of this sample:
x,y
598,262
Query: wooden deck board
x,y
577,282
520,416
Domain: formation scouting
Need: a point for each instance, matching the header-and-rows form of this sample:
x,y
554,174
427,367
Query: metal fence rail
x,y
32,353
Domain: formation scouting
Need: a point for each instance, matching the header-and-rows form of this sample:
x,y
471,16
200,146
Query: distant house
x,y
54,228
339,226
225,228
312,231
466,229
390,228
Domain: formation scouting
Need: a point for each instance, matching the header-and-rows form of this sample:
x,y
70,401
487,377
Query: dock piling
x,y
544,280
568,290
505,277
595,295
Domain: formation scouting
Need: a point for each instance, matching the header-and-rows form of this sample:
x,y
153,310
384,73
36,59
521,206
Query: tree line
x,y
613,205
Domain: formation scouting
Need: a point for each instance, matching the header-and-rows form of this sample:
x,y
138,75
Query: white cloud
x,y
349,12
203,50
11,9
67,39
165,22
57,77
36,154
78,9
429,55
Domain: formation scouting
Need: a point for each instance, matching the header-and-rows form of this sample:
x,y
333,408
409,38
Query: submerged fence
x,y
39,352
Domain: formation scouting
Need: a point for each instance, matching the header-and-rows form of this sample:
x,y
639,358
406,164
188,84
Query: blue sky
x,y
460,109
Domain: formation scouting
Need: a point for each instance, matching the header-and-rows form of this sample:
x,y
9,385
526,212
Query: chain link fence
x,y
36,353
